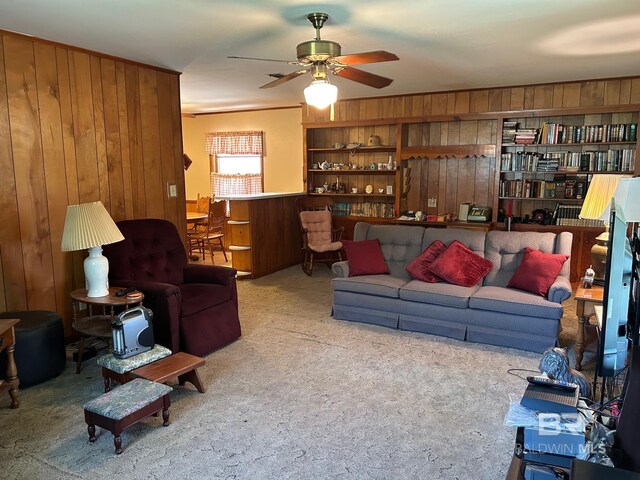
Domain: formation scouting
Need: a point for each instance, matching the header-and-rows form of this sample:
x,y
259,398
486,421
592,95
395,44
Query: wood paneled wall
x,y
77,127
593,93
450,180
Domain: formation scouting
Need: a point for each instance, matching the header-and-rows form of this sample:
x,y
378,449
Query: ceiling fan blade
x,y
284,78
365,57
265,60
361,76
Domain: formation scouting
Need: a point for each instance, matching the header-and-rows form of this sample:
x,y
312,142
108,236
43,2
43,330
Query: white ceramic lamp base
x,y
96,273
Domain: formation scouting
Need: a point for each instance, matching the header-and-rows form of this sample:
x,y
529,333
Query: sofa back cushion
x,y
400,244
506,251
473,239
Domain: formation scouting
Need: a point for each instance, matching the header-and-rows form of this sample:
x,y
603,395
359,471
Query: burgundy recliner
x,y
195,307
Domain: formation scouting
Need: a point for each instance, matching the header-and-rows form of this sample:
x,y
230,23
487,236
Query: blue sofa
x,y
486,313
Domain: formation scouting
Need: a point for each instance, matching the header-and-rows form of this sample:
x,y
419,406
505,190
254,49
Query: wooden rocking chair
x,y
320,241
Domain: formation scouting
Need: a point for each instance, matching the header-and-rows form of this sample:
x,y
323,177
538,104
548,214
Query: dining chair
x,y
214,234
195,240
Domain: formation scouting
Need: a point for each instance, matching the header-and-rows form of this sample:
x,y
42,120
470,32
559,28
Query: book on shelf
x,y
569,215
364,209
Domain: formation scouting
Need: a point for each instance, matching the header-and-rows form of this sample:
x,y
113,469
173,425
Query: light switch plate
x,y
432,202
172,189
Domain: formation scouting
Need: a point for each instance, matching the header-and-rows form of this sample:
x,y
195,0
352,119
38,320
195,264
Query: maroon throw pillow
x,y
537,271
418,267
460,266
365,257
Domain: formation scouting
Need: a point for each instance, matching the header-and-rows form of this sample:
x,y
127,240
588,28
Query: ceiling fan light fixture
x,y
321,94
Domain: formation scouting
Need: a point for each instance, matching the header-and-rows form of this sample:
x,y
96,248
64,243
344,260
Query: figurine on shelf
x,y
589,275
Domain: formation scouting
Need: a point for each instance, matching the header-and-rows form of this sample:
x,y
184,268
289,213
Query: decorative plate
x,y
368,189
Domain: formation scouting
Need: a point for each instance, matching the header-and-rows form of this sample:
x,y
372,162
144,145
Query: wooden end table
x,y
8,341
181,365
583,296
97,325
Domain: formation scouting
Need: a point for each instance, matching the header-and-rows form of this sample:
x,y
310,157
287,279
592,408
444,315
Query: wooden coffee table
x,y
181,365
583,296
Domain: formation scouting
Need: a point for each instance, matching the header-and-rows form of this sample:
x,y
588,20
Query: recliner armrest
x,y
560,290
209,274
341,269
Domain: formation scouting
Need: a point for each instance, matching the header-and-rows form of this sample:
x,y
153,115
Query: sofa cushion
x,y
460,266
383,285
437,293
474,239
516,302
365,257
537,271
400,244
418,267
506,250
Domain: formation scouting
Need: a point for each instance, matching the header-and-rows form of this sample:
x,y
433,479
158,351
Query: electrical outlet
x,y
172,189
432,202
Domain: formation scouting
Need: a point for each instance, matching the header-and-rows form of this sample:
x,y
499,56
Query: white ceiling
x,y
442,45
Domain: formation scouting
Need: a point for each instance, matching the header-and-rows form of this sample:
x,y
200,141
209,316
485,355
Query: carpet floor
x,y
298,396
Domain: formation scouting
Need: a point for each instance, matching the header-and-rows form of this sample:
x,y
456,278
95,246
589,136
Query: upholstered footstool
x,y
117,369
125,406
40,352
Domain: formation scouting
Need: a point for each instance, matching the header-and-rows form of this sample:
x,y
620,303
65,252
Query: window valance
x,y
234,143
227,184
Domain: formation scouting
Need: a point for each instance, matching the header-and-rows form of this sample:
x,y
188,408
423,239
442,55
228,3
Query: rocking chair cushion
x,y
317,226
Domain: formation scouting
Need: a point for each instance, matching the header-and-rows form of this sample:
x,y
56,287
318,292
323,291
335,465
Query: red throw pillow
x,y
418,267
537,271
460,266
365,257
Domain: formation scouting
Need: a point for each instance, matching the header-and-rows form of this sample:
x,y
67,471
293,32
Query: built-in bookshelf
x,y
356,166
548,162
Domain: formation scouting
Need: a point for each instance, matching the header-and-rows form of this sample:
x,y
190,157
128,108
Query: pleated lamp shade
x,y
627,197
88,225
599,194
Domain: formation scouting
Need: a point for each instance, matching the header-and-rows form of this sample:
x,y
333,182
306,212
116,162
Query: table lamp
x,y
596,203
627,196
90,226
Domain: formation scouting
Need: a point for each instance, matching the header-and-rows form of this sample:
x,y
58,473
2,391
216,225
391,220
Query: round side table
x,y
96,325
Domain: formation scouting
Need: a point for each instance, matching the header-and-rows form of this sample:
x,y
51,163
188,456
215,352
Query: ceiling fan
x,y
323,56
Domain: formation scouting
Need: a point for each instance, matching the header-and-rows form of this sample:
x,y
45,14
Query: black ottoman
x,y
40,352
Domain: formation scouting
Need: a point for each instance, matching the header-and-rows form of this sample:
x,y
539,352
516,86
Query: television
x,y
615,306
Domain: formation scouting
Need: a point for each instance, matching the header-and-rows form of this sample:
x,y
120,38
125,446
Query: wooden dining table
x,y
194,217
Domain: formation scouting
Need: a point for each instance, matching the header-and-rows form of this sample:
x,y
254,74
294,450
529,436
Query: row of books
x,y
364,209
562,186
527,188
622,160
570,215
618,132
528,162
556,133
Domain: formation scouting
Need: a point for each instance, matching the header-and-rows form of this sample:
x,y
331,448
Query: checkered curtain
x,y
234,143
227,184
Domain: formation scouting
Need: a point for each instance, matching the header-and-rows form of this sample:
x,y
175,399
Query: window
x,y
236,162
242,164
